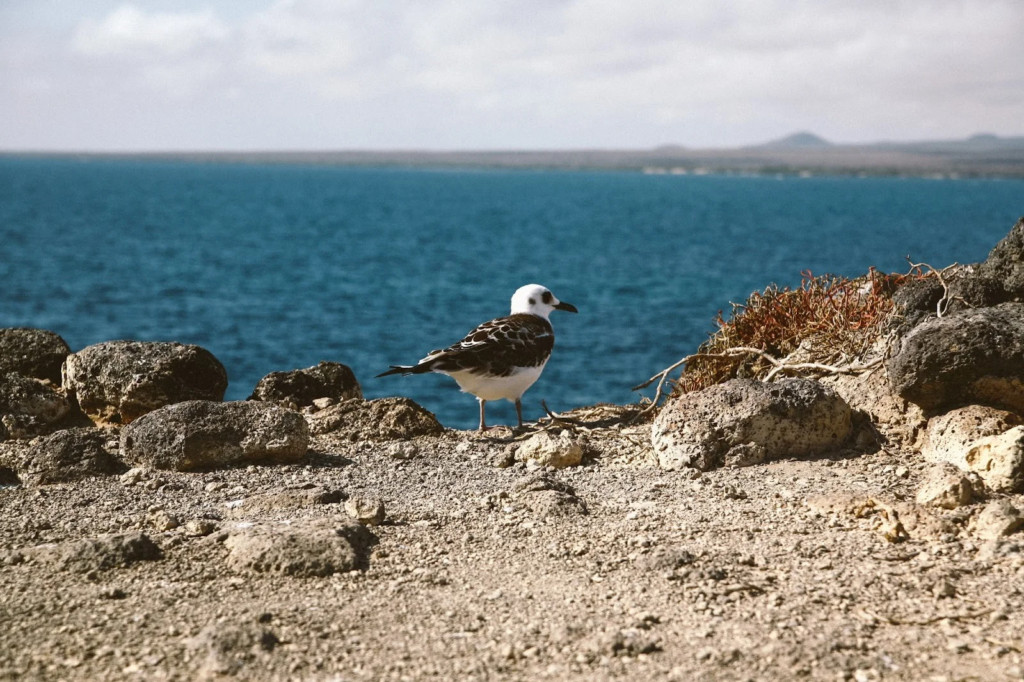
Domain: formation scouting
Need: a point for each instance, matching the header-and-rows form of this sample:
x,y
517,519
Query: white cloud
x,y
545,73
129,30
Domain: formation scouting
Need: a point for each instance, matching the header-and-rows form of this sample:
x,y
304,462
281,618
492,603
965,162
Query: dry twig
x,y
943,305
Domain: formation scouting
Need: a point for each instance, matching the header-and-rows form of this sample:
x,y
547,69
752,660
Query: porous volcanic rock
x,y
999,460
972,356
301,387
35,353
1006,262
96,554
742,422
71,455
966,287
547,450
28,406
949,436
374,420
308,548
200,434
119,381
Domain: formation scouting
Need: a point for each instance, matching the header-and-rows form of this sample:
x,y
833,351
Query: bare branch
x,y
943,305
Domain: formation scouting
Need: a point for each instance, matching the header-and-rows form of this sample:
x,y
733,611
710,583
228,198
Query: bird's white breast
x,y
510,388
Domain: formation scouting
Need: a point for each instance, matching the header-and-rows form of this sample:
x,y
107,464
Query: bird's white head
x,y
537,300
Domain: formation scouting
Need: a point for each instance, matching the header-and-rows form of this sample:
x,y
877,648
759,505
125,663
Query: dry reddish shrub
x,y
830,319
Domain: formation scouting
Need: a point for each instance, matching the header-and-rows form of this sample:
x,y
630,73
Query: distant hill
x,y
803,153
975,144
802,140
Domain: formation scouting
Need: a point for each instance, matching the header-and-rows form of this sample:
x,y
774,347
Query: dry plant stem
x,y
943,305
571,422
778,366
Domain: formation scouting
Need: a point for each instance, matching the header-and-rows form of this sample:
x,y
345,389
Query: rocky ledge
x,y
861,526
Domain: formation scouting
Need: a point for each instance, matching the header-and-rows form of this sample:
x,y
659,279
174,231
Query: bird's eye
x,y
547,297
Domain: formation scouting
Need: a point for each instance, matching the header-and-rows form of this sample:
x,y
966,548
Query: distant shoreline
x,y
979,157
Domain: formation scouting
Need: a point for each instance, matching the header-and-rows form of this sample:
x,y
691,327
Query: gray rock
x,y
947,487
96,554
71,455
998,519
369,511
967,288
162,520
35,353
298,497
375,420
225,648
119,381
199,434
28,406
742,422
316,547
533,483
969,356
301,387
547,496
1006,262
553,504
403,450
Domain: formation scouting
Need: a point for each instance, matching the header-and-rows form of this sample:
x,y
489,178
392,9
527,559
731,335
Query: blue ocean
x,y
276,267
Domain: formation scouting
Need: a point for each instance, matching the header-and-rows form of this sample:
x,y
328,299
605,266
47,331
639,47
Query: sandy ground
x,y
610,570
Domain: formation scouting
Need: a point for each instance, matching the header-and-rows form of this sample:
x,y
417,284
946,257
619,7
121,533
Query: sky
x,y
147,75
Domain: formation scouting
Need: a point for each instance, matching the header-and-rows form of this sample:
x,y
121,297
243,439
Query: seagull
x,y
502,358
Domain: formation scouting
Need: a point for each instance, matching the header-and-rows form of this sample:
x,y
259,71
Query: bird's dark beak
x,y
568,307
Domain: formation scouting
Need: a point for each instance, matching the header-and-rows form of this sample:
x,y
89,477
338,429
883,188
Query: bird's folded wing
x,y
498,347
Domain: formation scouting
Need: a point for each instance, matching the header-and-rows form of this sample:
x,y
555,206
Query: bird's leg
x,y
483,425
519,411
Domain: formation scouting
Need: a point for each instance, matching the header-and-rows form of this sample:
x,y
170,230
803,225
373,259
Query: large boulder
x,y
972,356
301,387
1006,262
71,455
380,419
201,434
28,407
35,353
119,381
303,549
949,436
742,422
966,287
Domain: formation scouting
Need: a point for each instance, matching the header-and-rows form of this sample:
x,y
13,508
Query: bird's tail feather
x,y
405,370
